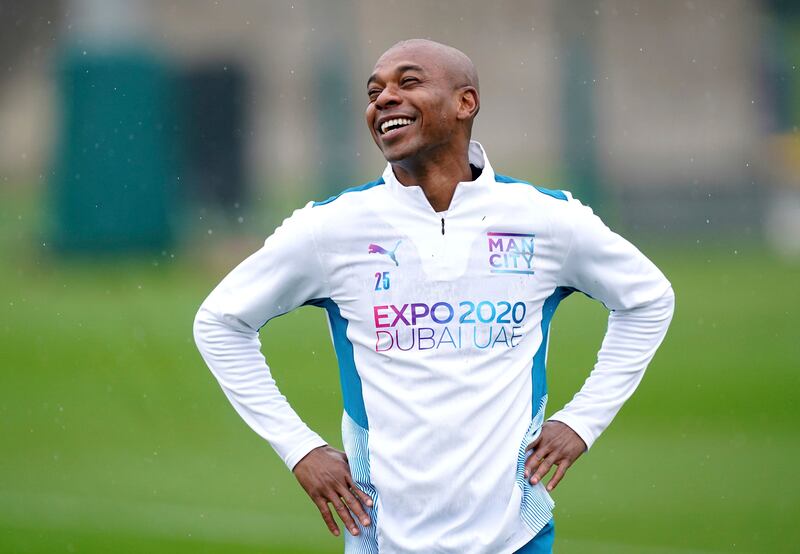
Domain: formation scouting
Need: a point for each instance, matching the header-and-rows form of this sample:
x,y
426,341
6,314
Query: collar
x,y
477,157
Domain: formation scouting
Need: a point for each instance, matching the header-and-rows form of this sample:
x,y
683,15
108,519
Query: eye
x,y
373,93
409,81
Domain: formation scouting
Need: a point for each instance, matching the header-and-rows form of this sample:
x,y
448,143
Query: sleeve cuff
x,y
299,452
573,423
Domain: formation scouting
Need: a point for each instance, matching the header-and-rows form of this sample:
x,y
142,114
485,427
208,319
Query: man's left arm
x,y
608,268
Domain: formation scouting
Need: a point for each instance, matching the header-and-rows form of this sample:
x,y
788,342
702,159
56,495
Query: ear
x,y
468,103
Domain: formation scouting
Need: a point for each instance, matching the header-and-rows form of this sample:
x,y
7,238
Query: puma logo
x,y
378,249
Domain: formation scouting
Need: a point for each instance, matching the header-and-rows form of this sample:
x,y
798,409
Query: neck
x,y
437,176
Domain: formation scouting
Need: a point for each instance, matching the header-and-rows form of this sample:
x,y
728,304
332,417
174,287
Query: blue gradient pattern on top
x,y
365,186
352,395
538,369
559,194
356,446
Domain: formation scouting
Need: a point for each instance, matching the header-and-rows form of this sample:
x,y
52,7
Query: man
x,y
440,280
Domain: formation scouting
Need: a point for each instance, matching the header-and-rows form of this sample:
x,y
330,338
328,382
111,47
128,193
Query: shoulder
x,y
557,204
533,190
558,207
344,212
350,195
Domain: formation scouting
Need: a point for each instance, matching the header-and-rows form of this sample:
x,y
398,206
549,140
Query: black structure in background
x,y
214,100
140,139
116,171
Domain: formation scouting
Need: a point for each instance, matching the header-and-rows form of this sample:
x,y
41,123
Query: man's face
x,y
412,103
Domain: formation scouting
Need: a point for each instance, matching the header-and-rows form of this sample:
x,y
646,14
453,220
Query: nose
x,y
388,98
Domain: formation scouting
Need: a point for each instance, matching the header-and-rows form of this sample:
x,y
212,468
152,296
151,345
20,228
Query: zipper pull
x,y
442,225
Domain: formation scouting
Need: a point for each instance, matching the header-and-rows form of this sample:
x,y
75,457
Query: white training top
x,y
440,325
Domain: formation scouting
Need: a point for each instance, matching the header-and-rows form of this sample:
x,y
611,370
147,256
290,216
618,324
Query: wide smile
x,y
394,126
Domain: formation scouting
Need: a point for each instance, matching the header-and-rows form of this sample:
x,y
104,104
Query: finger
x,y
534,442
362,496
533,461
327,516
544,467
562,469
344,514
354,505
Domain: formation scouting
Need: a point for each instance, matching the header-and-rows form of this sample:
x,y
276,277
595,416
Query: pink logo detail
x,y
378,249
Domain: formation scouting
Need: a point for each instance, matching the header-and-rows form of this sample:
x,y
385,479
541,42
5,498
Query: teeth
x,y
399,122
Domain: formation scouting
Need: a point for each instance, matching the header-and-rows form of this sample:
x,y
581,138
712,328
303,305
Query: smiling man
x,y
440,280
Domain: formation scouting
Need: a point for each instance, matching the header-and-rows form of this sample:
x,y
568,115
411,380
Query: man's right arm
x,y
279,277
284,274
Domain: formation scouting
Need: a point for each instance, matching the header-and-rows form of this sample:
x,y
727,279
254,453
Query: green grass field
x,y
116,438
